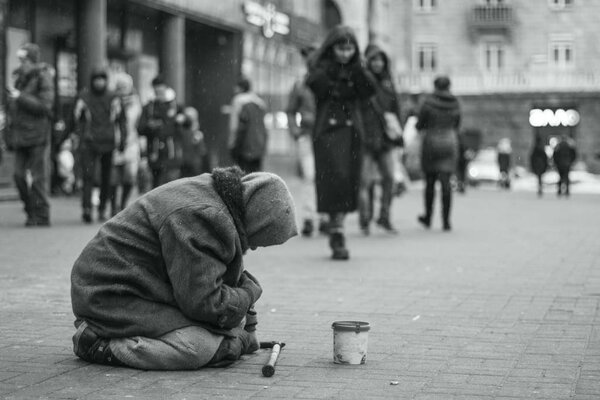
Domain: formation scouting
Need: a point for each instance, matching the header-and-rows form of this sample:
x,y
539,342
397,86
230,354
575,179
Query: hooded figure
x,y
95,114
163,286
27,132
379,157
339,83
439,121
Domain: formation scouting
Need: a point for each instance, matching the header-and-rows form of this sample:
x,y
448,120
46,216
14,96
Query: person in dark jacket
x,y
248,133
439,120
194,146
564,156
96,112
504,162
378,145
30,105
339,82
538,162
160,124
163,286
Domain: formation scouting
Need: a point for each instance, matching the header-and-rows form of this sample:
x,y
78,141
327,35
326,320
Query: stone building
x,y
520,67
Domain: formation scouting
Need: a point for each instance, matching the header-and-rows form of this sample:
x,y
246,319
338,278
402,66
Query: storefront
x,y
522,116
201,49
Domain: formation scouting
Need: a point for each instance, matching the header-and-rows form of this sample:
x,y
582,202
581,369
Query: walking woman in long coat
x,y
439,119
339,82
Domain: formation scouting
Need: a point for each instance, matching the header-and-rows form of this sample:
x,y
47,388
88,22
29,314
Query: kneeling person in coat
x,y
162,285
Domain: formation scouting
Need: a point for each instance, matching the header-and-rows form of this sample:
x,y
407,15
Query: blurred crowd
x,y
353,142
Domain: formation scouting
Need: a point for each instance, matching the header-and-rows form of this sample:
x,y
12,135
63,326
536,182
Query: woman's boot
x,y
337,242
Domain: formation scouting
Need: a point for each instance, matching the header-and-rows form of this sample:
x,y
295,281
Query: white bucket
x,y
350,339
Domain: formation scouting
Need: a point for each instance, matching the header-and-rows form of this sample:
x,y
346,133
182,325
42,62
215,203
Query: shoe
x,y
307,228
324,227
101,216
31,222
337,242
386,225
86,216
232,348
425,221
446,227
364,228
88,346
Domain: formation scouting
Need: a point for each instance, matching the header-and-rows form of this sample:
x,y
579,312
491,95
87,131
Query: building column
x,y
91,39
3,55
173,54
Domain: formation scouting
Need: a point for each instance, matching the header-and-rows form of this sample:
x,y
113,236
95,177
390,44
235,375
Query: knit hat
x,y
30,51
270,210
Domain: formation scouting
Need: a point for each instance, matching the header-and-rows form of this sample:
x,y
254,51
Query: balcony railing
x,y
527,82
484,18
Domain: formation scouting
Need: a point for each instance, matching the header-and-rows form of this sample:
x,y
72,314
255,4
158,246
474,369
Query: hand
x,y
250,284
154,123
12,92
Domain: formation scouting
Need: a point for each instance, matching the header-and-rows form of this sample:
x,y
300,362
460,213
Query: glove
x,y
251,320
251,285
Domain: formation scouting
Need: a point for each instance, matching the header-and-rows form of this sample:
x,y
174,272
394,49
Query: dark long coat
x,y
538,160
439,119
337,136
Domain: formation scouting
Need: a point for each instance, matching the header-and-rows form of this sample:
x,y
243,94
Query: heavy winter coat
x,y
29,115
373,109
338,132
564,155
173,258
439,120
159,125
249,136
96,114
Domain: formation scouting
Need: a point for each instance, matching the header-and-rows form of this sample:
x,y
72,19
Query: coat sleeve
x,y
319,81
363,82
422,118
195,252
41,102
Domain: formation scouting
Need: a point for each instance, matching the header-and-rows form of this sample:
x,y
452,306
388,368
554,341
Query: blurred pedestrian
x,y
160,124
564,156
194,146
96,112
504,162
465,155
301,112
30,105
339,82
439,120
127,156
247,130
162,286
538,162
382,134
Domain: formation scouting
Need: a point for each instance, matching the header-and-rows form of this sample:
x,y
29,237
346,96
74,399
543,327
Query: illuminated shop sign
x,y
267,17
548,117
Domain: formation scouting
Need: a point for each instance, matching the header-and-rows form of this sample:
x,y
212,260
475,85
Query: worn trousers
x,y
374,165
34,196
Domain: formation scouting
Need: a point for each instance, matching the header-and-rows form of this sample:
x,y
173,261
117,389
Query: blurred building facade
x,y
520,67
201,47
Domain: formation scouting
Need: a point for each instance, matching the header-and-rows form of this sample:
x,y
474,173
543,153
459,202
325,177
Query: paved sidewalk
x,y
504,307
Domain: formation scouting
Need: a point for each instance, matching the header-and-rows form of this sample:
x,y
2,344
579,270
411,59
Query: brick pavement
x,y
504,307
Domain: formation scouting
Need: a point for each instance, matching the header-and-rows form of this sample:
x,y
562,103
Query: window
x,y
426,57
560,4
425,5
561,54
494,57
